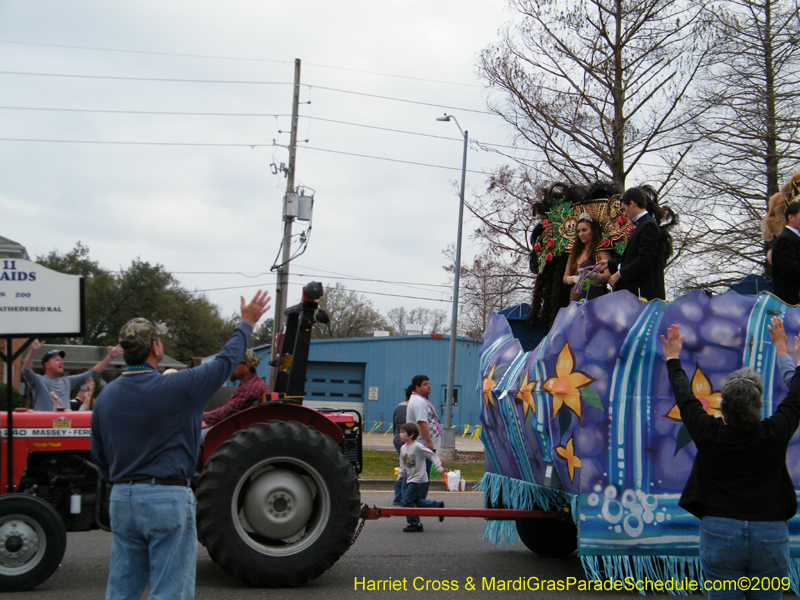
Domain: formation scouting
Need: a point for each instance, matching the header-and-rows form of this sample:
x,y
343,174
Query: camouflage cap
x,y
251,358
140,333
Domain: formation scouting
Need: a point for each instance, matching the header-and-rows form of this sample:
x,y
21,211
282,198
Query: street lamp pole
x,y
451,362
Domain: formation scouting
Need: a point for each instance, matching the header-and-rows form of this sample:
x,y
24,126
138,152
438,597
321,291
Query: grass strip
x,y
380,464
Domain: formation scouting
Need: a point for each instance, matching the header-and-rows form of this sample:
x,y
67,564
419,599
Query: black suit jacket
x,y
786,266
641,266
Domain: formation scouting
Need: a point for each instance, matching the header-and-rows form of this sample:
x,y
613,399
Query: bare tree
x,y
594,90
433,321
351,315
486,286
748,141
504,212
597,87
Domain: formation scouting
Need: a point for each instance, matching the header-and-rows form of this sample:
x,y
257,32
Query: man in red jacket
x,y
251,389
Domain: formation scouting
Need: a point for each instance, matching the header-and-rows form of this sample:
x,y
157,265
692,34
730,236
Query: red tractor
x,y
276,485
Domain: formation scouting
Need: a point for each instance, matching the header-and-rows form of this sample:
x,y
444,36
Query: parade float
x,y
583,423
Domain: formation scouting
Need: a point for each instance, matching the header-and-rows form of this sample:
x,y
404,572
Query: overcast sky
x,y
195,192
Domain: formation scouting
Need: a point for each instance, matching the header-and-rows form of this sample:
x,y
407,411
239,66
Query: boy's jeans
x,y
413,498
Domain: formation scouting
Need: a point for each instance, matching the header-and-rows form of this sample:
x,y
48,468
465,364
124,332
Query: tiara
x,y
585,217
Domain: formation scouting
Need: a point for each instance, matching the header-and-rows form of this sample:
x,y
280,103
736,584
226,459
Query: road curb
x,y
387,485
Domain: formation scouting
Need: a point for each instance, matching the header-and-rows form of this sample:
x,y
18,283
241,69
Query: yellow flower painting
x,y
565,386
525,396
568,454
488,386
701,388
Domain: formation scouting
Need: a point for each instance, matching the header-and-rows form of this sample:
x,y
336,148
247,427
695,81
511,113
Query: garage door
x,y
335,385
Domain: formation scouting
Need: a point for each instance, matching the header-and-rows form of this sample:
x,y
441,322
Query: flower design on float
x,y
488,385
701,388
565,386
568,454
525,396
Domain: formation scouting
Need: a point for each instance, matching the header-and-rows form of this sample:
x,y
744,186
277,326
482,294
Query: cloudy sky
x,y
148,129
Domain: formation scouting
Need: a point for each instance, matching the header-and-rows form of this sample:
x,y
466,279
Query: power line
x,y
111,142
438,137
394,75
225,145
239,58
243,145
149,52
261,285
429,135
144,112
157,79
340,276
397,160
239,82
330,89
252,115
480,144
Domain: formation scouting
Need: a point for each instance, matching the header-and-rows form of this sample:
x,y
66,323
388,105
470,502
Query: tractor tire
x,y
277,504
33,540
550,538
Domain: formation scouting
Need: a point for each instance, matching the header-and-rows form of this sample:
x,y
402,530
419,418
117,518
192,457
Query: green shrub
x,y
15,396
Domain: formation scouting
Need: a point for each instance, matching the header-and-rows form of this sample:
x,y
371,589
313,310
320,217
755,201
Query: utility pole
x,y
282,290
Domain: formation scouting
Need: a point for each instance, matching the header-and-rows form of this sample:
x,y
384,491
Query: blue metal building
x,y
371,374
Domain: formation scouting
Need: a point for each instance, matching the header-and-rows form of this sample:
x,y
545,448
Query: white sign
x,y
36,301
372,393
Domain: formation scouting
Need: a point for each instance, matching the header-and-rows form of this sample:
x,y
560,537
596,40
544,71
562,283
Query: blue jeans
x,y
399,486
730,549
155,539
413,497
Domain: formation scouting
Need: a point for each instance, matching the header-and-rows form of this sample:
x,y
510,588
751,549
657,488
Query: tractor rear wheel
x,y
551,538
277,504
32,541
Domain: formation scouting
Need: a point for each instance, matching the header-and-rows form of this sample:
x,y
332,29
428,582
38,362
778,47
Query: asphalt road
x,y
451,551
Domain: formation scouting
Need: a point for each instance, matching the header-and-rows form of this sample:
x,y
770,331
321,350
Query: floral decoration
x,y
701,388
525,396
488,386
568,454
565,386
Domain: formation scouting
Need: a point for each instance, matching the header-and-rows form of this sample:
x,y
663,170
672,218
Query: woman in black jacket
x,y
739,486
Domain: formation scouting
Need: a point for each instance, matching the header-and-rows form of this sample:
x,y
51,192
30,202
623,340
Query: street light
x,y
449,441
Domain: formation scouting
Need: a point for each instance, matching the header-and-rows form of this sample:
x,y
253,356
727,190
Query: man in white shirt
x,y
421,412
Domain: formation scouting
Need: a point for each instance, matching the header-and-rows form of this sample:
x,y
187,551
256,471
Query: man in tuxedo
x,y
786,257
641,268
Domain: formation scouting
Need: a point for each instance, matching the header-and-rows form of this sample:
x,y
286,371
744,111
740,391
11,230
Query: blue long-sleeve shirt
x,y
145,424
786,368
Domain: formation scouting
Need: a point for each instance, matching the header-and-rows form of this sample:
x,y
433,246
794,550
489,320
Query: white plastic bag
x,y
453,478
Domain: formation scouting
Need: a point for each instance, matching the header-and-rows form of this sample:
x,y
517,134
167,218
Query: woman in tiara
x,y
586,252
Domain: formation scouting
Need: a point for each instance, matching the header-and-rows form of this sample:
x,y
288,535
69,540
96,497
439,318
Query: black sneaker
x,y
413,528
441,517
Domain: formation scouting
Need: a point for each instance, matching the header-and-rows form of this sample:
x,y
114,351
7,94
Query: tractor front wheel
x,y
32,541
277,504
